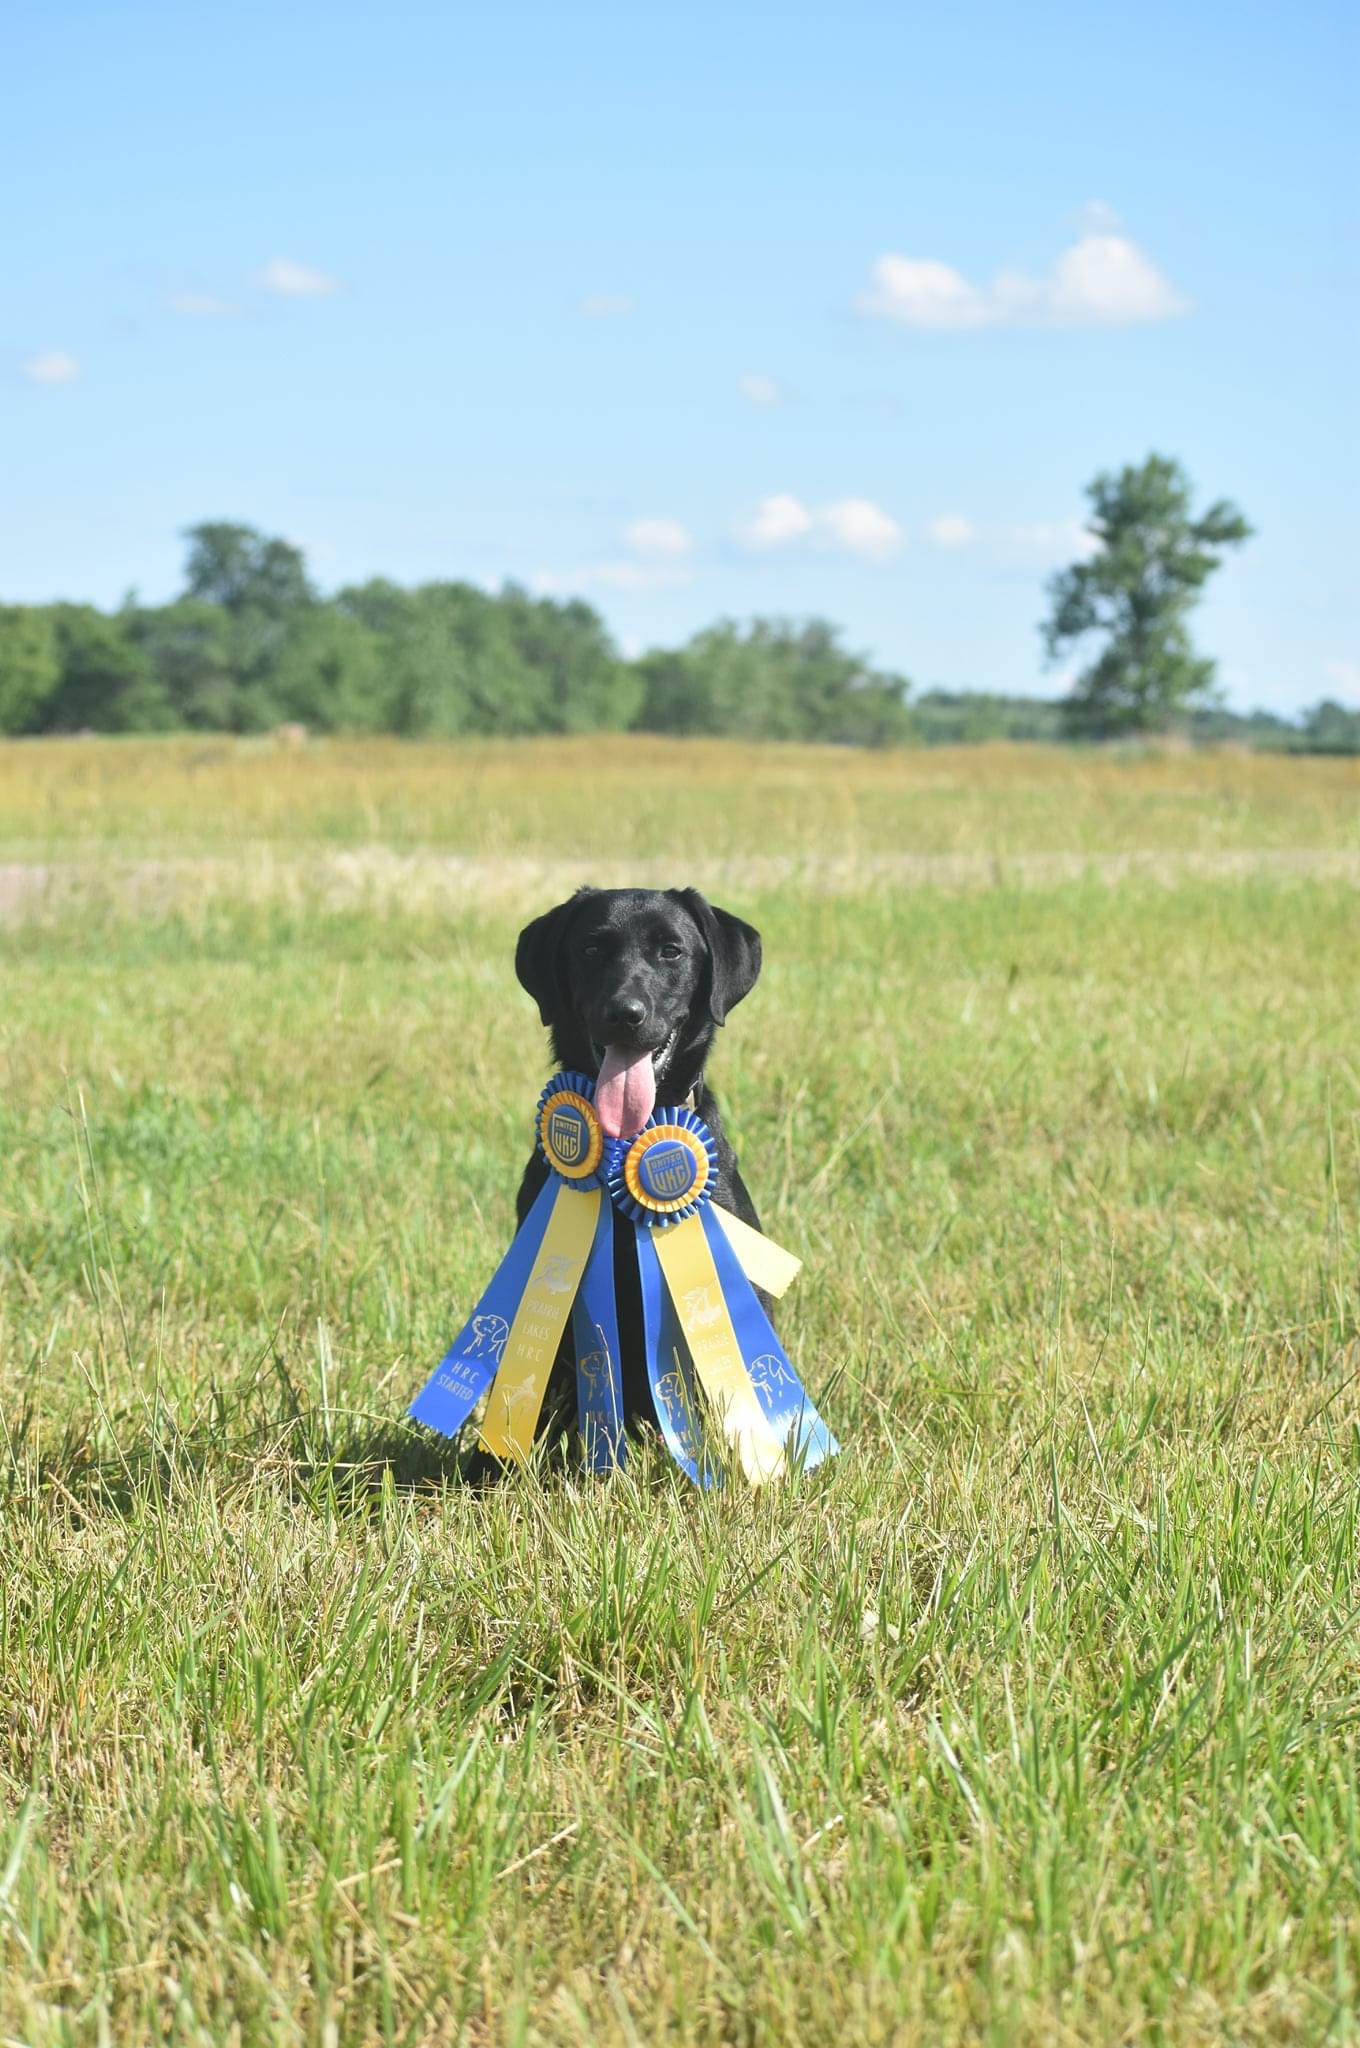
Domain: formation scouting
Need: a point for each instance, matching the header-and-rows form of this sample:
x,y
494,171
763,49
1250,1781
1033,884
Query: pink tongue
x,y
625,1093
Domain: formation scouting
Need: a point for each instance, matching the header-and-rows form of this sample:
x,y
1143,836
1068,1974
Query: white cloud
x,y
659,539
861,528
922,293
51,366
759,390
608,305
1103,280
853,526
1344,676
198,305
289,280
778,520
952,530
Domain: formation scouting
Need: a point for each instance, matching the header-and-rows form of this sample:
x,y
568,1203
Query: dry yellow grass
x,y
617,797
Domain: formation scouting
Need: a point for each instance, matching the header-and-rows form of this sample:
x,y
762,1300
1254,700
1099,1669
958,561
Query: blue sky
x,y
701,311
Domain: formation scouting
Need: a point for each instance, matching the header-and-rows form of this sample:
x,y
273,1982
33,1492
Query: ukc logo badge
x,y
569,1131
668,1171
567,1135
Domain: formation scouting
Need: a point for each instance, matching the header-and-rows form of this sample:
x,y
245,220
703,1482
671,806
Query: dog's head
x,y
619,974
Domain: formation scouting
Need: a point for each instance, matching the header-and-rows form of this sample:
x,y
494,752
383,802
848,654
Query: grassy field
x,y
1033,1718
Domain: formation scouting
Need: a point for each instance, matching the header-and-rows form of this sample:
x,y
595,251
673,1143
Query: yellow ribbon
x,y
692,1278
765,1263
516,1397
522,1377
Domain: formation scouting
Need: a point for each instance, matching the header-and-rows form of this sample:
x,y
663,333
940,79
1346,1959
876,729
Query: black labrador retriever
x,y
632,985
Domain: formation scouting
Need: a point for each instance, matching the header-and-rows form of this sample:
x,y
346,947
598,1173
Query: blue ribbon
x,y
469,1365
564,1123
595,1335
670,1371
786,1402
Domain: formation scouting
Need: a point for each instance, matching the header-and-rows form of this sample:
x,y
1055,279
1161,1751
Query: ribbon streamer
x,y
788,1406
595,1331
703,1326
670,1375
509,1341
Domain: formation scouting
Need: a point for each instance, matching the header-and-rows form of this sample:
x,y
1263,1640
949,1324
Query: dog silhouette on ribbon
x,y
489,1332
771,1372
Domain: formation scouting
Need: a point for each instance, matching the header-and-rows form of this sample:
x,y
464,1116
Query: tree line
x,y
250,644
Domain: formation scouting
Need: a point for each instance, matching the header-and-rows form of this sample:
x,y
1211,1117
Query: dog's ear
x,y
539,960
733,952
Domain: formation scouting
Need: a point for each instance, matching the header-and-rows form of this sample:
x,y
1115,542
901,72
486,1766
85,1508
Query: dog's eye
x,y
592,949
671,951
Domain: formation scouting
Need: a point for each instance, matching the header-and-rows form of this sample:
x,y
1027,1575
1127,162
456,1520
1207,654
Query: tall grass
x,y
629,796
1032,1718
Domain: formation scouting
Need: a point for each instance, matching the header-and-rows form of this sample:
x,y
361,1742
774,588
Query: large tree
x,y
585,687
191,648
1332,728
449,661
30,667
327,673
106,683
773,679
1151,561
244,570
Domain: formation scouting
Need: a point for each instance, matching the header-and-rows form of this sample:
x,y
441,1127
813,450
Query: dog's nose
x,y
625,1013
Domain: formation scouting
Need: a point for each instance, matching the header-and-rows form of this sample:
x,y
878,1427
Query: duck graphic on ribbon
x,y
714,1364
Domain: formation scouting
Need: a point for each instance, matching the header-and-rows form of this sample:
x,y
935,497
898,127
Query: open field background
x,y
1033,1718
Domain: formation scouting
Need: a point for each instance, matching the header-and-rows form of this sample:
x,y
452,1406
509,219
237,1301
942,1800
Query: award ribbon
x,y
508,1344
662,1179
701,1318
595,1332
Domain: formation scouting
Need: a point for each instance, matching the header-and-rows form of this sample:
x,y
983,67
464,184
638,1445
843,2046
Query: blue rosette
x,y
666,1173
568,1132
